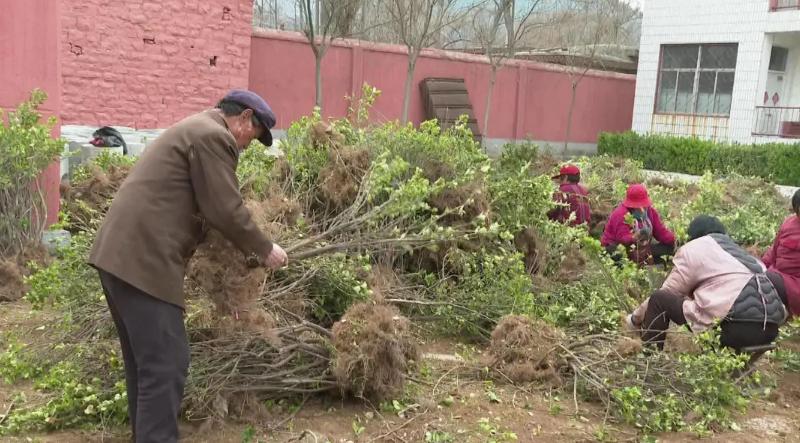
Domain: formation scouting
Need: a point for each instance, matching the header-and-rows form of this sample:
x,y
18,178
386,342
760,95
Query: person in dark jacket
x,y
714,280
784,255
184,183
572,198
636,225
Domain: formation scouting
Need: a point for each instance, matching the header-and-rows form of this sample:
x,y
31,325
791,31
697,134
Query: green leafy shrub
x,y
359,108
519,198
750,208
106,160
76,399
450,154
304,156
398,189
254,170
514,155
787,354
599,170
309,139
16,363
27,147
520,202
789,359
588,305
77,370
488,286
68,280
607,179
336,286
706,381
594,303
772,161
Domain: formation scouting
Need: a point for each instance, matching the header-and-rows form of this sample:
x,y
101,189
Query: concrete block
x,y
135,149
56,239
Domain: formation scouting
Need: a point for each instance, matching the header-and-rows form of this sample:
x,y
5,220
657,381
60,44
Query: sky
x,y
286,6
638,3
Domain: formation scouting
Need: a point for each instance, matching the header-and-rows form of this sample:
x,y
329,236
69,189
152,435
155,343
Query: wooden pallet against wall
x,y
446,99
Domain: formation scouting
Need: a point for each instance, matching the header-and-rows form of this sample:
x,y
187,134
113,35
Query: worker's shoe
x,y
629,327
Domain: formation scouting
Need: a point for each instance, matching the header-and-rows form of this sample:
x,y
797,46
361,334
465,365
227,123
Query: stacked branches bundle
x,y
261,334
695,389
389,228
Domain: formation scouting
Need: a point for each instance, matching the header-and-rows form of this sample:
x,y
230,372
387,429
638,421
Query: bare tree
x,y
419,24
266,13
596,25
487,23
323,21
567,25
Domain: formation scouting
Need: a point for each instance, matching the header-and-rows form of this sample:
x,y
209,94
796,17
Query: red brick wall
x,y
29,50
148,63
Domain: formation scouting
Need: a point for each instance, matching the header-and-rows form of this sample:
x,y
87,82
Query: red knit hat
x,y
567,170
637,197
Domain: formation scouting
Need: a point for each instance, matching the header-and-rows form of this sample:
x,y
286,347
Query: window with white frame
x,y
696,79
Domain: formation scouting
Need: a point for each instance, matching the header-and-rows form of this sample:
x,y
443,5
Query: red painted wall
x,y
530,100
148,63
134,64
29,50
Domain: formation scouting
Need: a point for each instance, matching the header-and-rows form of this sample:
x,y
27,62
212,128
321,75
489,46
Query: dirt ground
x,y
445,401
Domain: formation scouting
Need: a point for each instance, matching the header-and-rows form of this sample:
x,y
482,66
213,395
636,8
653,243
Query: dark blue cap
x,y
260,108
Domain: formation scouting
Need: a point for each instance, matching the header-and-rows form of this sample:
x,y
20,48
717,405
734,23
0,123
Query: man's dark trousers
x,y
155,350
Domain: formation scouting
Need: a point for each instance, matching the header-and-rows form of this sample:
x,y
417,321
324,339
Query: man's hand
x,y
277,258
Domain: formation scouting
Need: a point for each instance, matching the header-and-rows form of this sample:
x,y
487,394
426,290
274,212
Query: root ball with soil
x,y
374,351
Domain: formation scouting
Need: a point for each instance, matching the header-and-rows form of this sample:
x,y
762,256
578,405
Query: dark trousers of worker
x,y
658,250
155,350
664,307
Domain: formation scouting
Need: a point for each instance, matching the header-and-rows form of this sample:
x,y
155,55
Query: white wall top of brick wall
x,y
83,134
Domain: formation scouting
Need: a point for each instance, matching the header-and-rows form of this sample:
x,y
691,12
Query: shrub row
x,y
776,162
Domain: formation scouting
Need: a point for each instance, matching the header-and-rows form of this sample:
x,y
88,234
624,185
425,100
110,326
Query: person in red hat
x,y
571,198
636,225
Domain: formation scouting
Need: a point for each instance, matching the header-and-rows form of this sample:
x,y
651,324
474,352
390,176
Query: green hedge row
x,y
777,162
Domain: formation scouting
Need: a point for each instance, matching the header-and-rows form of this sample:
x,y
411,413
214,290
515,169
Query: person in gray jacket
x,y
715,280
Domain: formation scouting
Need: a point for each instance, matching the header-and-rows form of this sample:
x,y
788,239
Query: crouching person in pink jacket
x,y
715,280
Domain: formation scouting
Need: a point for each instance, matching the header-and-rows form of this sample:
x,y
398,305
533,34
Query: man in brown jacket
x,y
184,183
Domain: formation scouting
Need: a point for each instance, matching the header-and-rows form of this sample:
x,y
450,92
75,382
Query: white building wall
x,y
791,88
710,21
782,21
793,78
